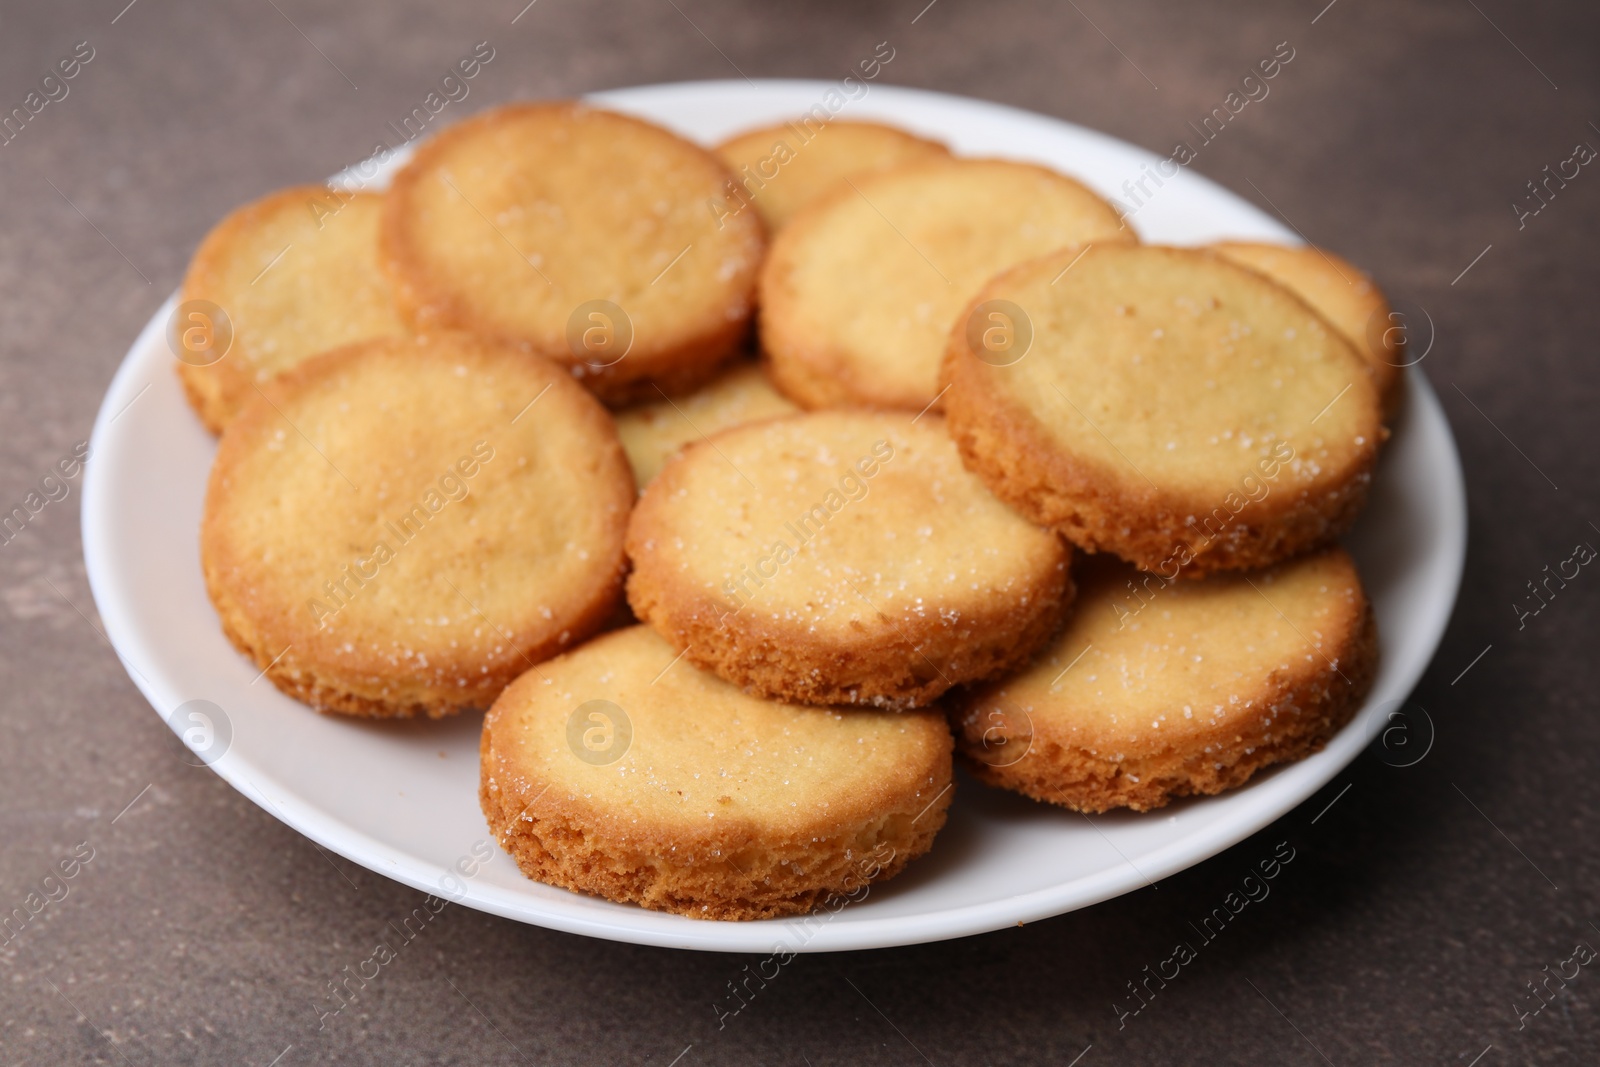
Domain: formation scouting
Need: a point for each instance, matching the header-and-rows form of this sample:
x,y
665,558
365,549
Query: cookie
x,y
1343,294
780,169
860,292
294,274
618,771
841,557
582,234
1156,690
401,527
1164,404
653,433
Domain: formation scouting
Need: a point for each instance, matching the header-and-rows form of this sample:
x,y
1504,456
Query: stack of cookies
x,y
1005,485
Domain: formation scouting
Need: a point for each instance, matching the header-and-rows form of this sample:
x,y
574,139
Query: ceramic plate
x,y
401,800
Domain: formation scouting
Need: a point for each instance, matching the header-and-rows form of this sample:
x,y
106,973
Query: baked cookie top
x,y
1342,293
295,273
654,431
404,525
849,553
1158,689
1144,388
582,233
860,292
783,168
651,754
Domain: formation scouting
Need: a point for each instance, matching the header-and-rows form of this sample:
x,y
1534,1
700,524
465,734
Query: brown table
x,y
1418,906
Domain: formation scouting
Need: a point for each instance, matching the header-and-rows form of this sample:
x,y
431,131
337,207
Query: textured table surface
x,y
1420,905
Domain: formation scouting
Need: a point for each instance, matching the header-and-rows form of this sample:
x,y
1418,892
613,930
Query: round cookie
x,y
652,433
1343,294
841,557
401,527
1166,405
618,771
1156,690
860,292
781,169
294,273
581,233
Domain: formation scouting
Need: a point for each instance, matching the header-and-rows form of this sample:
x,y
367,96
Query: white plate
x,y
402,799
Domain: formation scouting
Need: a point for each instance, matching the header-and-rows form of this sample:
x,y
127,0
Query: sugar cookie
x,y
618,771
1164,404
582,234
1156,690
781,169
293,274
400,527
859,294
653,432
841,557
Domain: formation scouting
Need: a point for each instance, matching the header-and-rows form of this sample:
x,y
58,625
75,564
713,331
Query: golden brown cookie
x,y
841,557
860,292
401,527
618,771
1164,404
653,432
582,234
780,169
295,274
1158,690
1343,294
